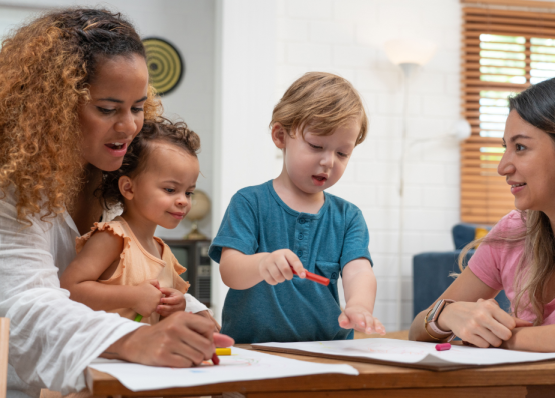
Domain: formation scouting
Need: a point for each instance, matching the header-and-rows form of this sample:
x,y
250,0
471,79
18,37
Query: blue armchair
x,y
431,270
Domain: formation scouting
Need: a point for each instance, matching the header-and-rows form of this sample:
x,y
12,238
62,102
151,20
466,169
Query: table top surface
x,y
372,376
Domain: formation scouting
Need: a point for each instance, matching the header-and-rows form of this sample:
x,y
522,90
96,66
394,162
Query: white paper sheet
x,y
413,353
239,366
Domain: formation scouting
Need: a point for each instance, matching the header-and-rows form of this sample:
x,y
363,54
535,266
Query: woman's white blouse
x,y
52,338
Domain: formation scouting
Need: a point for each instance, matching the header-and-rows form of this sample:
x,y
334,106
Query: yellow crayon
x,y
223,351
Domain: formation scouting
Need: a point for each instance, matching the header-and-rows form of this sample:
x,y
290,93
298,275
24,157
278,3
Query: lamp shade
x,y
409,51
462,129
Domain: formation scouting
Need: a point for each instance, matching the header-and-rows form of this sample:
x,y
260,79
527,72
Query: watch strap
x,y
431,321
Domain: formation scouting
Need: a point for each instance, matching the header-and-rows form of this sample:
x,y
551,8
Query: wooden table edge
x,y
381,377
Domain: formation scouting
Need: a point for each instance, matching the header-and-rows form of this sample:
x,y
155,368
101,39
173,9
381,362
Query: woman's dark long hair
x,y
536,106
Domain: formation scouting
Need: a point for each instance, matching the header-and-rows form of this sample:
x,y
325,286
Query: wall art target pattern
x,y
165,65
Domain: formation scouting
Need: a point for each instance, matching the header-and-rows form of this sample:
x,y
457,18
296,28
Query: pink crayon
x,y
443,347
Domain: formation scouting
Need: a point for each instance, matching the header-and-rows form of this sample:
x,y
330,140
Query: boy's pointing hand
x,y
360,319
276,267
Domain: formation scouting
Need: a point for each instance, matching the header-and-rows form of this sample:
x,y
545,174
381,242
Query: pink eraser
x,y
443,347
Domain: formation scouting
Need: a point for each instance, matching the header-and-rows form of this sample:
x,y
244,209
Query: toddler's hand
x,y
173,301
276,267
360,319
147,297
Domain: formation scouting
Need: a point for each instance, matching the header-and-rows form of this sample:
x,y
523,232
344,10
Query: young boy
x,y
291,223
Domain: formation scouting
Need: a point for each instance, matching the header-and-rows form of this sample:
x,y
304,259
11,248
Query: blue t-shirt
x,y
258,221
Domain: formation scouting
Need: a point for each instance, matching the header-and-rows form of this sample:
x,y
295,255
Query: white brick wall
x,y
340,36
346,37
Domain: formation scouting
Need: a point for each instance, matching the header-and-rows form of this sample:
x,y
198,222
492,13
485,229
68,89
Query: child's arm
x,y
241,271
360,287
96,260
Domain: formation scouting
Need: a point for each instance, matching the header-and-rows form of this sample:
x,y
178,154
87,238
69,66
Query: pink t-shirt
x,y
496,265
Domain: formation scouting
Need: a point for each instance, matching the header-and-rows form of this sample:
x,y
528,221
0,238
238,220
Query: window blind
x,y
503,52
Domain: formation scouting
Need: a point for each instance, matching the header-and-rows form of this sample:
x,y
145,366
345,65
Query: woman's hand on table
x,y
180,340
482,323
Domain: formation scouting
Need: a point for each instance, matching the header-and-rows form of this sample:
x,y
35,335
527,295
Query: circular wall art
x,y
165,65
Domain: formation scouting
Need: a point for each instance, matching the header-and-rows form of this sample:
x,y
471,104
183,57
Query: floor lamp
x,y
409,55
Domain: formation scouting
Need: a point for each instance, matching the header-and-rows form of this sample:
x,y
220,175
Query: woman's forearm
x,y
240,271
533,338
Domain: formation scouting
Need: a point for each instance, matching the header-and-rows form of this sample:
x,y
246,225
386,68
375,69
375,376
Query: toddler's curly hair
x,y
46,68
136,159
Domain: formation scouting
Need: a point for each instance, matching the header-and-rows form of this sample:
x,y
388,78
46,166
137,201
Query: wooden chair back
x,y
4,343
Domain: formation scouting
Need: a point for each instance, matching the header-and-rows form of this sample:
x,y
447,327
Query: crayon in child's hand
x,y
138,318
315,278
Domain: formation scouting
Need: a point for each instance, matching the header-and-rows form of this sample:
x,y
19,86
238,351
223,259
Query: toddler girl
x,y
121,266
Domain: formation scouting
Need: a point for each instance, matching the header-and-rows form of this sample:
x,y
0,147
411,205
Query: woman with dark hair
x,y
518,255
74,93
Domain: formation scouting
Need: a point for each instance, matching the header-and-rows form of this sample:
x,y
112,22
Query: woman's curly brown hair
x,y
45,71
136,158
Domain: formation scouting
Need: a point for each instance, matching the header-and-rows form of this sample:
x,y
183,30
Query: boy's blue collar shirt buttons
x,y
302,220
300,253
301,236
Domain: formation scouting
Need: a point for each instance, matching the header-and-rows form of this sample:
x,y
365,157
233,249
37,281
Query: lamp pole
x,y
408,69
409,54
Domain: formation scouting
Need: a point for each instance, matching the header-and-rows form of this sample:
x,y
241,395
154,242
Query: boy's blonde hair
x,y
321,101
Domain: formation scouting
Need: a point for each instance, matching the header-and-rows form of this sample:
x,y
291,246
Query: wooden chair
x,y
4,343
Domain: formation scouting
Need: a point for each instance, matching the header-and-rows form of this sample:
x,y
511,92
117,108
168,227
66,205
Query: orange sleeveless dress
x,y
136,265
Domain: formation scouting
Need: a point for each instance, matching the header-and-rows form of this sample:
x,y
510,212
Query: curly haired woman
x,y
74,93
